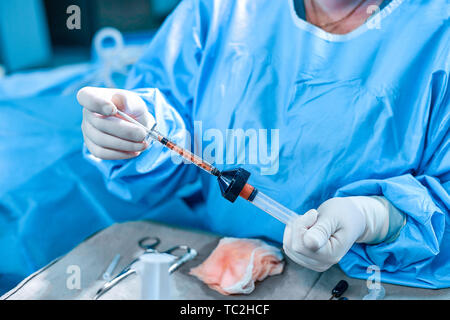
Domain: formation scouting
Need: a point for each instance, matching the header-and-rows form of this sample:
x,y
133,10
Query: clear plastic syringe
x,y
232,183
270,206
186,154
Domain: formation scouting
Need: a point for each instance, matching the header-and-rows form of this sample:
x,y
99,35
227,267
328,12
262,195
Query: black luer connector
x,y
231,182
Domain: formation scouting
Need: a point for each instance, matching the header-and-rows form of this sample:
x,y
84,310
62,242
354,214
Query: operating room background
x,y
47,189
41,25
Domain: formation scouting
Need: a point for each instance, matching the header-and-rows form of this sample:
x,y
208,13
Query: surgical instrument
x,y
232,183
149,245
107,274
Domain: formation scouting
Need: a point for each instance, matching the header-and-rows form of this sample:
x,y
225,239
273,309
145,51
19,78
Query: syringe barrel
x,y
272,207
233,183
154,135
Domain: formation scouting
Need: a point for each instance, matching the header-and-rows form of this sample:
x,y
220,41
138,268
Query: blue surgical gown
x,y
365,113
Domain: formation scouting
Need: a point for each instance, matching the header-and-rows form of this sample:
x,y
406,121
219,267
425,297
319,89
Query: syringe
x,y
232,183
186,154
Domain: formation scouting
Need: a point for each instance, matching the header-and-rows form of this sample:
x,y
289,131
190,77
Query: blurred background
x,y
34,33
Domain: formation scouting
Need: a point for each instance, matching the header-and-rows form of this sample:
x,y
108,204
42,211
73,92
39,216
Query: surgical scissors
x,y
149,244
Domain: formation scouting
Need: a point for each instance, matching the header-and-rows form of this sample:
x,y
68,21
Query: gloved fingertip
x,y
312,214
313,239
308,219
109,109
119,101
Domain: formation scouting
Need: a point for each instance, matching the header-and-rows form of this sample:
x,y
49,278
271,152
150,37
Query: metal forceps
x,y
149,245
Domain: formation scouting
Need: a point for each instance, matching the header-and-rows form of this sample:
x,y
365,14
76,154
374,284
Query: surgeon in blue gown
x,y
359,94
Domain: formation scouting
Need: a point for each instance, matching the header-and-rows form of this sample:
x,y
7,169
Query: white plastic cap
x,y
156,281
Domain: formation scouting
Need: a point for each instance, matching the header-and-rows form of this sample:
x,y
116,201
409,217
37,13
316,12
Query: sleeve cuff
x,y
397,221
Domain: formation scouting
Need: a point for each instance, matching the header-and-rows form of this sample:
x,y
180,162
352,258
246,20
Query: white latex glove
x,y
320,238
106,134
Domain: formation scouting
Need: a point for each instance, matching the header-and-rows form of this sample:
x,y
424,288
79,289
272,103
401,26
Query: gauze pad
x,y
235,265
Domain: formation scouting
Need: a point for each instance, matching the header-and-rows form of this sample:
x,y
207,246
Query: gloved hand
x,y
106,134
320,238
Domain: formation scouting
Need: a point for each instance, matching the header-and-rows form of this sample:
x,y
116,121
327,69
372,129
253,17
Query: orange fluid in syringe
x,y
186,154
